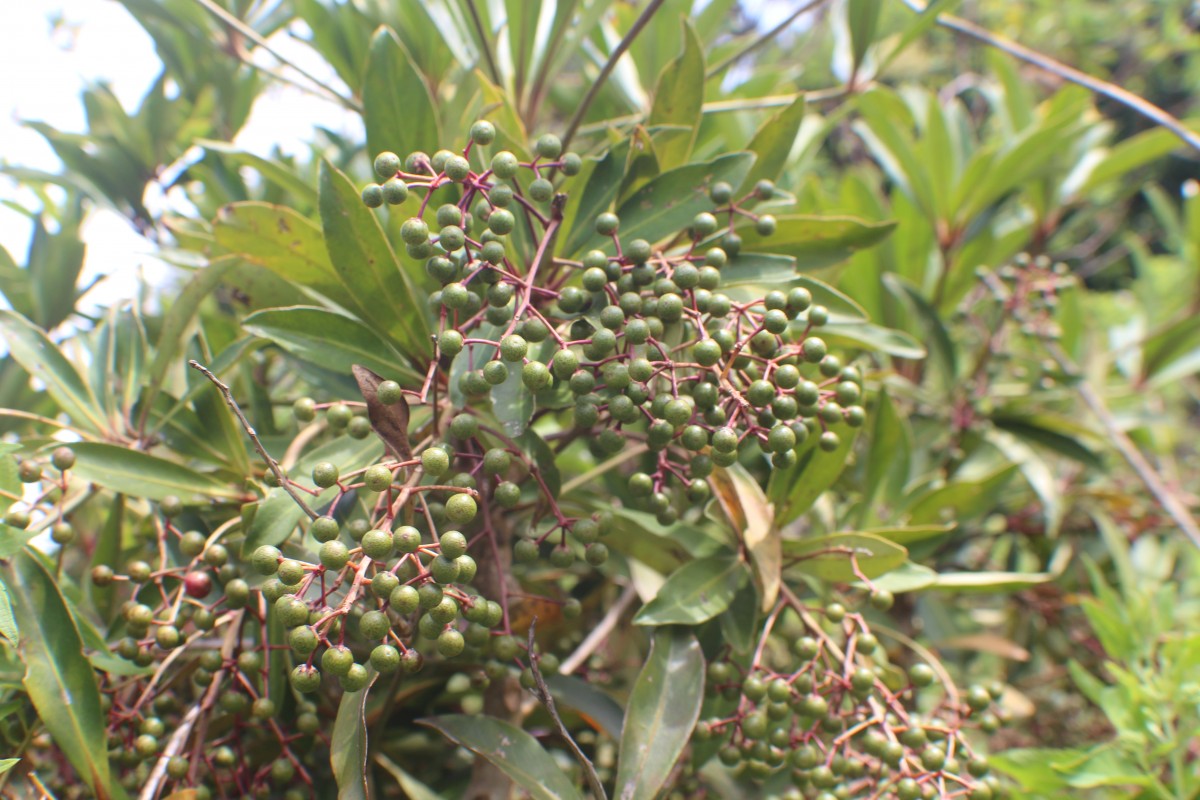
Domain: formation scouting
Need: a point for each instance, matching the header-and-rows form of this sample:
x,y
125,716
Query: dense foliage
x,y
651,405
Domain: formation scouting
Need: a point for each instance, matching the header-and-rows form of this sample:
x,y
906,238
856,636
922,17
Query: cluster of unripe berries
x,y
33,471
635,339
842,722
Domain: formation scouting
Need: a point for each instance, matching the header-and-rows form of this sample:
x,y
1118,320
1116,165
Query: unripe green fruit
x,y
414,231
266,560
303,640
305,679
483,132
17,519
562,557
461,508
513,347
535,376
450,342
291,572
374,625
596,553
404,599
607,224
444,570
334,555
62,533
525,551
387,164
377,478
435,462
325,474
765,226
541,190
372,195
377,544
145,745
505,165
451,238
291,611
450,643
548,146
168,637
457,168
323,529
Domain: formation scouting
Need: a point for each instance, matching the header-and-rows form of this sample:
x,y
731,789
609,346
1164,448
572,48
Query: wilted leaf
x,y
390,422
753,519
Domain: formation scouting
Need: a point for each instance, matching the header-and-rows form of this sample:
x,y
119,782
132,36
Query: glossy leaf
x,y
329,340
678,97
696,592
793,490
511,749
58,677
283,241
39,356
667,204
833,557
773,142
663,708
815,241
368,268
348,743
863,19
753,521
412,788
8,623
964,499
597,707
603,181
399,111
133,472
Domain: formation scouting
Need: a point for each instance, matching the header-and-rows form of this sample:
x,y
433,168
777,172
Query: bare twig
x,y
272,464
1110,90
599,633
543,693
253,35
608,67
763,39
1174,507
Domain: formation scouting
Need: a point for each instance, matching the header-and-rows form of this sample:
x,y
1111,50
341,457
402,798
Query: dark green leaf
x,y
34,351
399,110
348,743
368,268
678,97
832,558
511,749
8,623
793,490
329,340
963,499
815,241
283,241
600,190
58,677
863,19
773,142
599,708
133,472
696,592
663,708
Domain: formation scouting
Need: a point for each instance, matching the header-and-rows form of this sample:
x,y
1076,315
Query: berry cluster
x,y
839,719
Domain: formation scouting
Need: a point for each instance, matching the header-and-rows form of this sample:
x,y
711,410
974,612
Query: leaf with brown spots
x,y
753,519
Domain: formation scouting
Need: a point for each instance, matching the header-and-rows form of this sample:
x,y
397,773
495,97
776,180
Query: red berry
x,y
197,584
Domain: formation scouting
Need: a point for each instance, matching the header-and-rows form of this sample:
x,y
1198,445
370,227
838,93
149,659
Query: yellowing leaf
x,y
753,519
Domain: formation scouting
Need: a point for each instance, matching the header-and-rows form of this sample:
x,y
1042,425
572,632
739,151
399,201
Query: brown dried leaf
x,y
389,422
753,519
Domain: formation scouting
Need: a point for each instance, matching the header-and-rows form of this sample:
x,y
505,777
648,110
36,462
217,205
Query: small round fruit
x,y
450,643
387,164
372,195
549,146
325,474
355,679
483,132
607,224
461,508
266,560
435,462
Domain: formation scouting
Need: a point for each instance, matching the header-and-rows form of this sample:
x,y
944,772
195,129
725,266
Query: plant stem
x,y
272,464
1110,90
607,69
484,42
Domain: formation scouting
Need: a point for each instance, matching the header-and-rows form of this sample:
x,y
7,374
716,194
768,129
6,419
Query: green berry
x,y
505,165
607,224
549,146
372,195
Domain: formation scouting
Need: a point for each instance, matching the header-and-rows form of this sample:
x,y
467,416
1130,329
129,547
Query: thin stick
x,y
599,633
763,39
607,69
1054,67
543,693
253,35
258,445
484,42
1174,507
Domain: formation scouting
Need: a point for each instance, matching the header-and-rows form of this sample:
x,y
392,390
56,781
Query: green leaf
x,y
832,558
909,534
8,763
696,592
598,193
511,749
34,351
283,241
773,142
991,581
599,707
638,535
329,340
368,268
273,171
667,204
872,337
678,97
8,623
412,788
863,19
739,622
348,743
663,708
815,241
963,499
399,111
793,490
133,472
908,577
58,677
512,403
